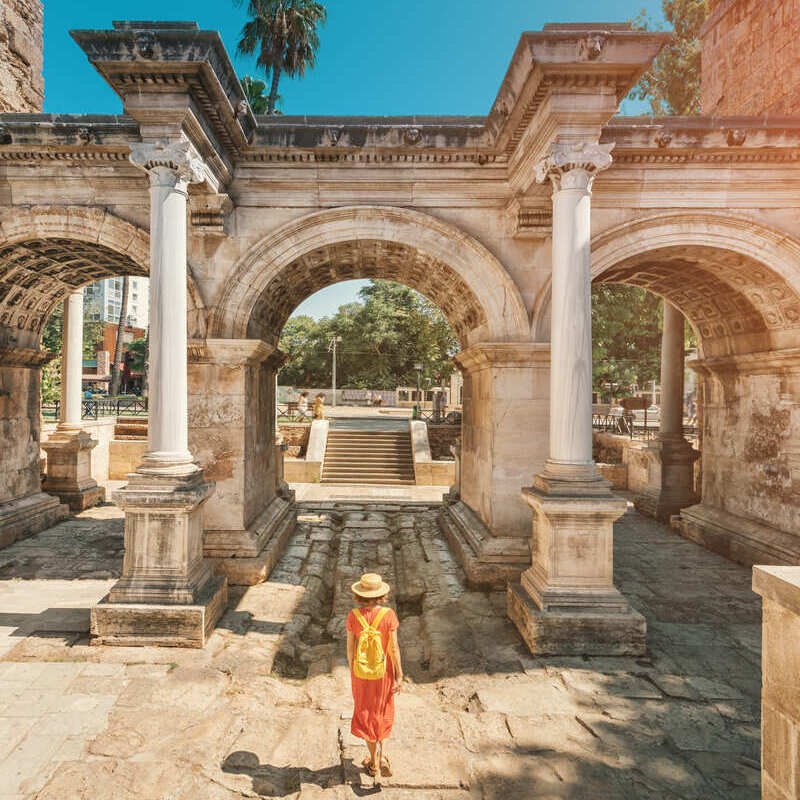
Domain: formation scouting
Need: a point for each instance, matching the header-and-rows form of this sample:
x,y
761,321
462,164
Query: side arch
x,y
453,269
736,280
48,251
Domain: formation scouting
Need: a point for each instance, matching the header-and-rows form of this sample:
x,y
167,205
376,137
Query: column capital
x,y
178,157
573,165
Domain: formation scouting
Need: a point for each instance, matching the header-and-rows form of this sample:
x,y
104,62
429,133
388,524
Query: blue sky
x,y
377,57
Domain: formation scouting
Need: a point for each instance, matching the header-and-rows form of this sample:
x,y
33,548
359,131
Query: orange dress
x,y
373,712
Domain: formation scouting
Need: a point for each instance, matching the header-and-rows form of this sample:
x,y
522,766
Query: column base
x,y
168,594
247,557
566,603
675,457
488,561
29,515
160,625
576,632
69,469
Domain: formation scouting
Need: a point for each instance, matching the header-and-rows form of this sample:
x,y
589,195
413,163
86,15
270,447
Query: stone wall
x,y
751,57
440,438
295,435
21,81
19,431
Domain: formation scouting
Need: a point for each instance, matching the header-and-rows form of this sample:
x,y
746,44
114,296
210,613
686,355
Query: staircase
x,y
369,456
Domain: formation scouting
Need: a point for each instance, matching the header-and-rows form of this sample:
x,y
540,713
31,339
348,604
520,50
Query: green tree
x,y
383,336
254,92
284,34
51,341
672,84
626,337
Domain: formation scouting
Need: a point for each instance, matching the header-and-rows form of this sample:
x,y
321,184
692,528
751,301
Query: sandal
x,y
369,767
386,766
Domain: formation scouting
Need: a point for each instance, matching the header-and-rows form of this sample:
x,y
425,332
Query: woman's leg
x,y
373,754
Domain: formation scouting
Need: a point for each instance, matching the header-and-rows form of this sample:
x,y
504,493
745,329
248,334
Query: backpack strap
x,y
379,616
360,617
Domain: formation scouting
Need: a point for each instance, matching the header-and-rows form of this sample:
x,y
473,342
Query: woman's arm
x,y
351,647
398,664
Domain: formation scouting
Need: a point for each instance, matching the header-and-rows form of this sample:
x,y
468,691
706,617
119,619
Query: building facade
x,y
103,300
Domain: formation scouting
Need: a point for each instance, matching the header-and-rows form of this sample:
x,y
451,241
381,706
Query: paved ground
x,y
264,710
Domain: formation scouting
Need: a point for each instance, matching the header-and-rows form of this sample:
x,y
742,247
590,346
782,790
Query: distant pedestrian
x,y
319,406
376,671
368,397
302,405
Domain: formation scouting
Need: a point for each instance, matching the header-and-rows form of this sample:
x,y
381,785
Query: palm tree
x,y
284,32
254,92
123,314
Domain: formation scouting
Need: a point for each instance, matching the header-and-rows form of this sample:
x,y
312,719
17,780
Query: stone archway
x,y
503,370
433,257
47,253
738,283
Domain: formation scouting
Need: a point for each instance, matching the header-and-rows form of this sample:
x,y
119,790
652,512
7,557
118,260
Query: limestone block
x,y
124,455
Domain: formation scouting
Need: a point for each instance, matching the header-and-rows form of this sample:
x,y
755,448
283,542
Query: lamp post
x,y
332,349
418,368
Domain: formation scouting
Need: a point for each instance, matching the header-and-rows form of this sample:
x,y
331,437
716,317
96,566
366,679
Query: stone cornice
x,y
232,352
503,354
138,58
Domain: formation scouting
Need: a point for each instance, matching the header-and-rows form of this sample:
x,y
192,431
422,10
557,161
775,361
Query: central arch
x,y
448,266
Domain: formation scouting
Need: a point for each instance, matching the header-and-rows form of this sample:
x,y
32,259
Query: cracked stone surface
x,y
264,710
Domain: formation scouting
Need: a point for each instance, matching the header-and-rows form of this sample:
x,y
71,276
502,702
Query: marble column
x,y
69,449
566,602
168,593
673,456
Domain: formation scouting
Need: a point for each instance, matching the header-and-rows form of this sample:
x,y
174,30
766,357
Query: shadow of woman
x,y
272,781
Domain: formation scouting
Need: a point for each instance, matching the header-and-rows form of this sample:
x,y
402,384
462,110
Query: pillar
x,y
168,593
250,516
672,456
69,449
503,438
566,602
24,508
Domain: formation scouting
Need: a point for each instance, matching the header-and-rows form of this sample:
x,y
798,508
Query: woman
x,y
373,713
302,405
319,406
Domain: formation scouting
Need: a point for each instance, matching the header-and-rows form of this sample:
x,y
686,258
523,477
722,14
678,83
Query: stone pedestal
x,y
674,490
168,593
779,588
566,603
69,469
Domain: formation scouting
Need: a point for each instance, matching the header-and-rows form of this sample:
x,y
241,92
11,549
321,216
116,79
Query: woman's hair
x,y
370,601
321,394
303,394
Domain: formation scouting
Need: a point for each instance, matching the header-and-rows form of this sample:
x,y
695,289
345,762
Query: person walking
x,y
319,406
376,670
302,405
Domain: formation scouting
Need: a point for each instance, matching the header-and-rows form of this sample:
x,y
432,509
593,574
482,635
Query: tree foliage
x,y
626,337
384,335
51,341
284,35
672,84
255,92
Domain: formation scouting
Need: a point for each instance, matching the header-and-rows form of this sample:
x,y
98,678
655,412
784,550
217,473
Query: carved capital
x,y
573,166
180,158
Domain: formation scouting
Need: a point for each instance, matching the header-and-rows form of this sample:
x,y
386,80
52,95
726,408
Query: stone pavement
x,y
264,710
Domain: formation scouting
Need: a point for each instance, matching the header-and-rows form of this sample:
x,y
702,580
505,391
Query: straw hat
x,y
370,585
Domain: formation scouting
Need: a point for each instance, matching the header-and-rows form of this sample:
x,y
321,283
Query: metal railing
x,y
626,425
104,407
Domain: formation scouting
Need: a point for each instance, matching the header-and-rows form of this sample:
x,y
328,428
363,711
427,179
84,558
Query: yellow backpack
x,y
369,662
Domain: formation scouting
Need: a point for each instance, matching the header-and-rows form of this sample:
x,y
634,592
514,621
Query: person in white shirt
x,y
302,405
